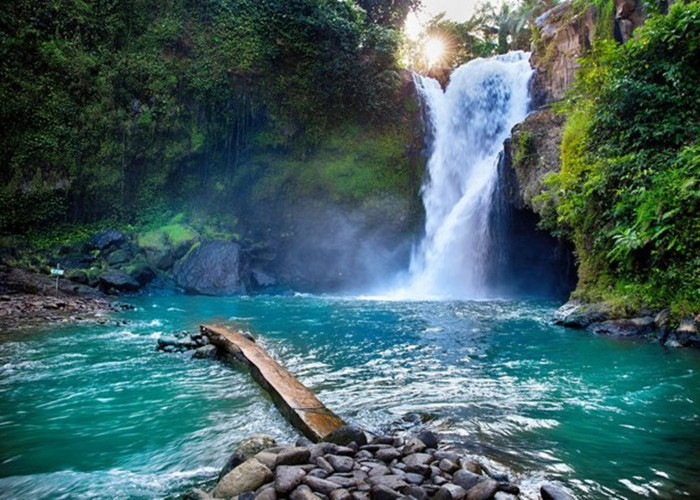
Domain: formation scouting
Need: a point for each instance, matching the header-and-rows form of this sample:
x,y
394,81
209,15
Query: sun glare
x,y
433,51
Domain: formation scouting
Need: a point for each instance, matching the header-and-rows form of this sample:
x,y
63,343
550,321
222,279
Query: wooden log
x,y
296,401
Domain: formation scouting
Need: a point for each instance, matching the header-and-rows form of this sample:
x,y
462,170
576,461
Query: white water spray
x,y
484,100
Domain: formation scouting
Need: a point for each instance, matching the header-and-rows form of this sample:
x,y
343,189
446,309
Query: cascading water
x,y
469,121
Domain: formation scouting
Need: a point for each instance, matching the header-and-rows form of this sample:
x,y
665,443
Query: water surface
x,y
95,412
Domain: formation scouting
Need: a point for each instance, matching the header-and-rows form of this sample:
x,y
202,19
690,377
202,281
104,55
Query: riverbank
x,y
29,300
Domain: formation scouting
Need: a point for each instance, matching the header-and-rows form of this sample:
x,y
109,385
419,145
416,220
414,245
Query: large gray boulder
x,y
213,268
249,476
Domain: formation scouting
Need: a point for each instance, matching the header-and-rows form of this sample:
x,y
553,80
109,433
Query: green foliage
x,y
128,110
628,189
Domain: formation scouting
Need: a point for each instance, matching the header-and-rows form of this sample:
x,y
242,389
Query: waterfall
x,y
468,123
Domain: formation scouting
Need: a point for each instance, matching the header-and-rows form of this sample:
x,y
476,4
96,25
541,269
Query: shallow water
x,y
95,411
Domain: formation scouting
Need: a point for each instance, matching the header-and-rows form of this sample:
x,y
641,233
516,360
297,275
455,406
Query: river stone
x,y
248,495
414,478
430,438
347,434
552,492
416,459
447,465
388,454
293,456
483,490
212,268
248,476
287,478
390,481
466,479
416,492
341,494
382,492
321,485
360,495
509,488
340,464
414,445
577,314
451,491
266,494
345,482
320,473
247,448
303,492
379,470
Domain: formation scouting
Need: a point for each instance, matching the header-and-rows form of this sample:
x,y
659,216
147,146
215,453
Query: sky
x,y
457,10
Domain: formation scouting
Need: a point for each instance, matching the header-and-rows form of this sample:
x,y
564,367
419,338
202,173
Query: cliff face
x,y
564,36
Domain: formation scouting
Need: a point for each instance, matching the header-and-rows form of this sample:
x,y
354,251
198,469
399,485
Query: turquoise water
x,y
95,411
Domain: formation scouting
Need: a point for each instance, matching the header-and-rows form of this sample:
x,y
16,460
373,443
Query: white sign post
x,y
58,272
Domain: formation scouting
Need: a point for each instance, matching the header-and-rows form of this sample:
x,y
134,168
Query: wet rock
x,y
624,328
247,448
303,492
288,478
382,492
430,438
509,488
483,490
320,473
248,476
325,464
347,434
302,441
552,492
319,485
205,352
340,463
360,495
247,495
293,456
577,314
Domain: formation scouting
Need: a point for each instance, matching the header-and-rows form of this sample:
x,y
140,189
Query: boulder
x,y
213,268
110,238
119,281
247,449
430,438
624,328
483,490
577,314
248,476
293,456
119,257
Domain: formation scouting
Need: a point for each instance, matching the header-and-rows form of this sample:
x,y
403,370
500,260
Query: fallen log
x,y
296,401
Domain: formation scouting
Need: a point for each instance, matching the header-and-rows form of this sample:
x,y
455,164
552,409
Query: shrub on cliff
x,y
628,193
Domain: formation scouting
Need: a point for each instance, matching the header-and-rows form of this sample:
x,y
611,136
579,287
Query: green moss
x,y
166,236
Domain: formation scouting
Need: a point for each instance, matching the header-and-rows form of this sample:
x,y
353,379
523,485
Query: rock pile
x,y
184,341
385,468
